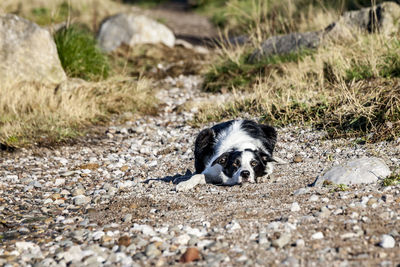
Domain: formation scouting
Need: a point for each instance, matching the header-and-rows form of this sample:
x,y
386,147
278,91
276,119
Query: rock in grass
x,y
381,18
132,29
285,44
359,171
27,53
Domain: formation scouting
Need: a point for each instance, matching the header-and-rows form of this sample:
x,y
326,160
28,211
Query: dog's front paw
x,y
191,183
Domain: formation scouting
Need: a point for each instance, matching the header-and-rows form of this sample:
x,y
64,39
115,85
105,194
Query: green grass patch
x,y
242,74
79,54
359,72
393,179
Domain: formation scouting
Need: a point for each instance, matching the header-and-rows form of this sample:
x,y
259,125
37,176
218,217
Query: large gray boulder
x,y
288,43
383,18
27,53
131,29
359,171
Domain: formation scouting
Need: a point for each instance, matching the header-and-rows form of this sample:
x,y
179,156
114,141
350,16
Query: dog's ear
x,y
204,139
265,158
203,148
271,136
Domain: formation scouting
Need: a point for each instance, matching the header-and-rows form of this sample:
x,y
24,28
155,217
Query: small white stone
x,y
314,198
98,235
59,182
317,235
300,243
387,241
232,226
182,239
295,207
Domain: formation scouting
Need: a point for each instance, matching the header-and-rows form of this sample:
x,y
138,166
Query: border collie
x,y
233,152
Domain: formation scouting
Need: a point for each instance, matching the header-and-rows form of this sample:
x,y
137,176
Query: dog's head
x,y
243,166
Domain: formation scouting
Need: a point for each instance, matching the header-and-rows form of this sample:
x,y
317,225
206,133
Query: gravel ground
x,y
111,201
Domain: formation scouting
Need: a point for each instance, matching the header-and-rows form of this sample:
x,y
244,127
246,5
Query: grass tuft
x,y
393,179
79,54
240,74
35,113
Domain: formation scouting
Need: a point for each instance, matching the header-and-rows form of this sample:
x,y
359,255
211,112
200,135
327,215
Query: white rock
x,y
300,243
73,254
145,229
132,29
387,241
359,171
81,200
193,231
295,207
98,235
314,198
232,226
59,182
27,52
28,247
317,235
182,239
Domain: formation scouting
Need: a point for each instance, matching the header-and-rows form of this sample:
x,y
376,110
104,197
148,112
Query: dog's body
x,y
234,152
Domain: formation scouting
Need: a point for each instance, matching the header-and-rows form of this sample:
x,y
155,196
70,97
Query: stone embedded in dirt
x,y
80,200
359,171
288,43
282,241
191,254
387,241
124,241
317,236
132,29
152,251
295,207
27,53
297,159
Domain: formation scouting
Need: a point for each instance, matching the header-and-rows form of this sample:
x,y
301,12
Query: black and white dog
x,y
233,152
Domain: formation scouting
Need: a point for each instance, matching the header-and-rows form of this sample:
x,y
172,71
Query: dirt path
x,y
112,202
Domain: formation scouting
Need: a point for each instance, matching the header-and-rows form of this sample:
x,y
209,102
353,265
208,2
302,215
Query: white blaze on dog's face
x,y
241,166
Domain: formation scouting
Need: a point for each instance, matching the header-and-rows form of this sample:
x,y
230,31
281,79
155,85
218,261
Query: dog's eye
x,y
222,160
253,163
236,163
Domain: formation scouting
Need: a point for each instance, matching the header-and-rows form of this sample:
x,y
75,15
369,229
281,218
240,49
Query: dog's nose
x,y
245,175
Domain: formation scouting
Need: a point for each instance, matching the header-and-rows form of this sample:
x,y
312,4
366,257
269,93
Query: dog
x,y
233,152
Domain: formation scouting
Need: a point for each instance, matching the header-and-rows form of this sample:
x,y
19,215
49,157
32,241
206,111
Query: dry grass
x,y
45,12
32,112
327,89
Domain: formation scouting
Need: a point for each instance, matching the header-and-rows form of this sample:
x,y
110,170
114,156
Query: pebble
x,y
387,241
314,198
80,200
295,207
317,236
191,254
282,241
152,251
